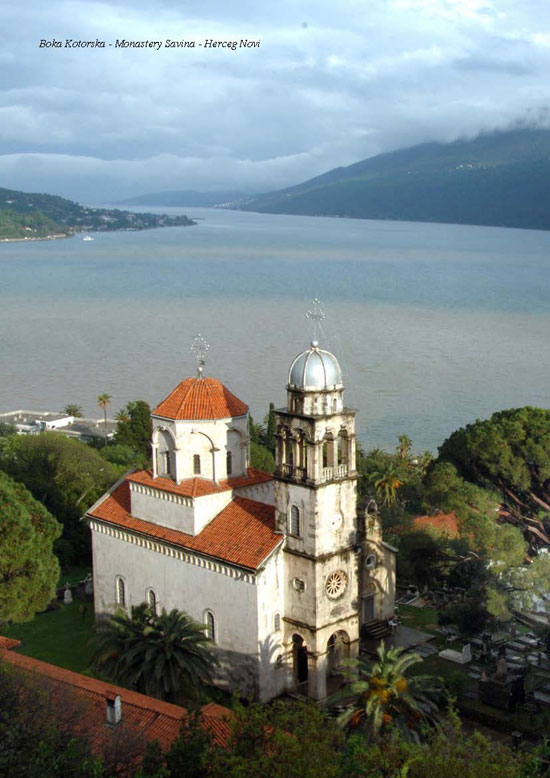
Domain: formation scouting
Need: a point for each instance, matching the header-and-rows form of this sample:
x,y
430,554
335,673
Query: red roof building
x,y
117,723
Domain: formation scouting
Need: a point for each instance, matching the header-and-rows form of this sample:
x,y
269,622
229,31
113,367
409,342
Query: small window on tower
x,y
277,622
196,464
294,521
229,459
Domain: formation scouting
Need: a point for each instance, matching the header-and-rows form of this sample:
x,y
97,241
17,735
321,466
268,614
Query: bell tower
x,y
315,498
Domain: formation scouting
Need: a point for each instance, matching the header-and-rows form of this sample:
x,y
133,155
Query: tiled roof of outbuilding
x,y
79,704
200,398
243,533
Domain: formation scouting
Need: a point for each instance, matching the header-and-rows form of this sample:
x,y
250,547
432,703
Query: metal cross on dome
x,y
316,315
199,347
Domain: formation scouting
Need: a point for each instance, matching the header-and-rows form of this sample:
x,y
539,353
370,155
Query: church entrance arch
x,y
337,651
299,659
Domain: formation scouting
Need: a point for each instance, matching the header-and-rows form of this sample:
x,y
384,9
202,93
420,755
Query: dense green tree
x,y
134,429
270,428
187,757
423,558
7,429
256,431
475,507
120,455
389,697
445,751
510,452
166,655
64,474
29,568
282,740
261,458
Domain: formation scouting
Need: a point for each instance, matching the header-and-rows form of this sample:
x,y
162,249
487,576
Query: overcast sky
x,y
330,84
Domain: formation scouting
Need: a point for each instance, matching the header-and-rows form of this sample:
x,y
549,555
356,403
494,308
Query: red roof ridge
x,y
197,486
200,398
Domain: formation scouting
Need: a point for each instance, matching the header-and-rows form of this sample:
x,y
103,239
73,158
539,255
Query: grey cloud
x,y
359,79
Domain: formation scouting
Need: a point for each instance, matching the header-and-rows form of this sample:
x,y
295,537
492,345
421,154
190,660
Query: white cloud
x,y
330,85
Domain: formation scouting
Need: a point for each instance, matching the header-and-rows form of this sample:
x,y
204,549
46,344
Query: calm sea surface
x,y
434,325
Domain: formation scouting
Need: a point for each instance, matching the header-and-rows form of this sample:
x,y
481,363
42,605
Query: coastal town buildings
x,y
34,422
282,568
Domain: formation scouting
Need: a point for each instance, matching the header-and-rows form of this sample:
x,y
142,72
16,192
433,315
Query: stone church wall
x,y
189,587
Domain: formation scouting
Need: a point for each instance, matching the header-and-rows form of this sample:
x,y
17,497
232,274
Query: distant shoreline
x,y
26,240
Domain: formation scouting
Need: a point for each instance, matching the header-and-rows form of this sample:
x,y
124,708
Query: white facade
x,y
273,566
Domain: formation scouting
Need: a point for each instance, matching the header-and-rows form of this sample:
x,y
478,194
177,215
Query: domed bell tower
x,y
315,497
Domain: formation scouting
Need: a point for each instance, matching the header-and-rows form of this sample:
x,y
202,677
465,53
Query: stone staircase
x,y
376,629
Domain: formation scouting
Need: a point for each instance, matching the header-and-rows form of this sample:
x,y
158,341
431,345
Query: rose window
x,y
336,584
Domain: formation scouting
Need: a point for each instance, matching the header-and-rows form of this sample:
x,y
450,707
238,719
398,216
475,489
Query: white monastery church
x,y
280,568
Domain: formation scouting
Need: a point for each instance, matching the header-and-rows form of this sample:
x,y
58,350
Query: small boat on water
x,y
87,237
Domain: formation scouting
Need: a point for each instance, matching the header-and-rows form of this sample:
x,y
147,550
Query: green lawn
x,y
60,637
424,619
72,575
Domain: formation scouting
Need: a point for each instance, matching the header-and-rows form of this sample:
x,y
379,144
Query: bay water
x,y
434,325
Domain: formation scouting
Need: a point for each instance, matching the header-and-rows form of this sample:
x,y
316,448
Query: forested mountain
x,y
32,215
500,179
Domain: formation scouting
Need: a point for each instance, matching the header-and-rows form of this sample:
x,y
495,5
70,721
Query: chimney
x,y
113,708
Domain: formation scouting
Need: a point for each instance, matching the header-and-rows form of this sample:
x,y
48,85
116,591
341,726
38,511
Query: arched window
x,y
120,592
277,622
229,462
210,621
152,600
328,450
334,404
295,521
343,447
165,454
196,464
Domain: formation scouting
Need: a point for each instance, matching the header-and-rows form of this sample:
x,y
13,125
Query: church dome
x,y
315,369
200,398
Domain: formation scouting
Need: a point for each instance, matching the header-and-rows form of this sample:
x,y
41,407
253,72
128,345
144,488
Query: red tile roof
x,y
446,523
243,533
9,643
199,487
78,703
200,398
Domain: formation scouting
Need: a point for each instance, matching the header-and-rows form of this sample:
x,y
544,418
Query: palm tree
x,y
103,400
122,416
386,697
73,410
387,483
166,655
404,447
